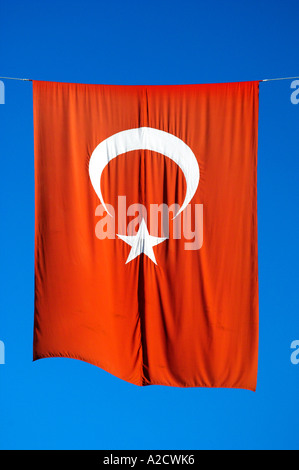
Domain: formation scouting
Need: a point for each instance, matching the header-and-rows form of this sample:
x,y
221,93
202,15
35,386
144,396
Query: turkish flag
x,y
146,230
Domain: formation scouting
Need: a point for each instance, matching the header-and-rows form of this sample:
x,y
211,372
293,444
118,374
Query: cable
x,y
274,79
264,80
22,79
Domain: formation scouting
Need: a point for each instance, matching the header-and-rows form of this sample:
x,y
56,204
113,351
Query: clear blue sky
x,y
64,403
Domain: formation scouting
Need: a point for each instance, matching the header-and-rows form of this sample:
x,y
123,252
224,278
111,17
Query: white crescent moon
x,y
146,138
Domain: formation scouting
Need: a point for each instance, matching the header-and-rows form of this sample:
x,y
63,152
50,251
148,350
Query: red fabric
x,y
191,320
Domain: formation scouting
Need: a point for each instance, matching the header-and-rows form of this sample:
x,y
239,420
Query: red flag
x,y
146,230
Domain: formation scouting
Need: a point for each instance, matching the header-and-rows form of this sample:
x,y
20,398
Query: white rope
x,y
12,78
265,79
274,79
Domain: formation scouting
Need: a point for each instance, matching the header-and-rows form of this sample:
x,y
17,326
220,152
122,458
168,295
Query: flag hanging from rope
x,y
146,230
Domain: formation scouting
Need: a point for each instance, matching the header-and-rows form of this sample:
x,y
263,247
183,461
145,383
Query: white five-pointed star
x,y
142,242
